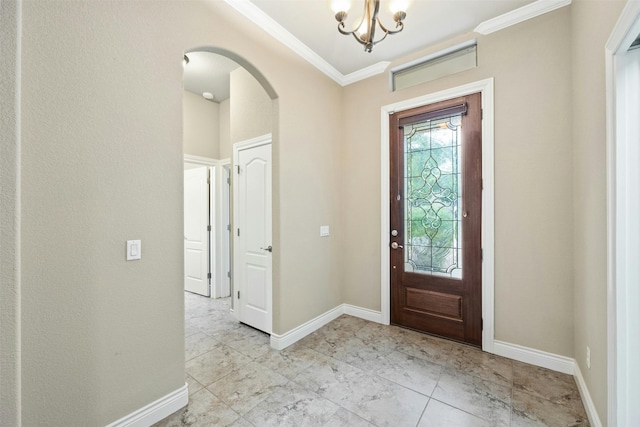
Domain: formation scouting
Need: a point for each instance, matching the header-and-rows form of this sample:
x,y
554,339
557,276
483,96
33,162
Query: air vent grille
x,y
440,64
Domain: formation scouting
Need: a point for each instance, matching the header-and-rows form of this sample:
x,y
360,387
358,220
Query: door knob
x,y
268,248
395,245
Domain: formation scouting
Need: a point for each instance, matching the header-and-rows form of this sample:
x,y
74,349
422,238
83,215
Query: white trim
x,y
364,73
280,342
555,362
277,31
532,10
197,160
155,411
486,88
251,143
621,307
363,313
221,288
590,408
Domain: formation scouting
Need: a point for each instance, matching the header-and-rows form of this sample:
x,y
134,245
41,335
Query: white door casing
x,y
486,88
252,237
196,235
225,228
623,209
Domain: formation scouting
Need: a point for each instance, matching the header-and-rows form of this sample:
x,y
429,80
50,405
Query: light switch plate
x,y
134,250
324,230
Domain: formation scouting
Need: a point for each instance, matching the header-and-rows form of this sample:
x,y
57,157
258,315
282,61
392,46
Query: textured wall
x,y
226,148
102,163
249,107
201,126
530,63
592,23
9,215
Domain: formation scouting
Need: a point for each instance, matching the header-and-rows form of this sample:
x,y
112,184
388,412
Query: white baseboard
x,y
155,411
555,362
280,342
363,313
592,413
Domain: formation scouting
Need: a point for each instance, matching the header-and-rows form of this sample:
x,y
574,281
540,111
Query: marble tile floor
x,y
352,372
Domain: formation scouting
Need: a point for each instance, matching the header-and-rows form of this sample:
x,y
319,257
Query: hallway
x,y
353,372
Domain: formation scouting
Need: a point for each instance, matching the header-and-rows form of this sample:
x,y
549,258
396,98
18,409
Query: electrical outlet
x,y
588,358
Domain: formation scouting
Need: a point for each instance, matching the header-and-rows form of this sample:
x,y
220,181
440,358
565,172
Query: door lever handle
x,y
268,248
395,245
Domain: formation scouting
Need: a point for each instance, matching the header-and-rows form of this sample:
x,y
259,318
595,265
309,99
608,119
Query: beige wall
x,y
530,63
103,164
226,149
200,126
249,107
9,216
592,23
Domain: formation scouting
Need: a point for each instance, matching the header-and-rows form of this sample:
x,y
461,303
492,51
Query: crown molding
x,y
365,73
264,21
517,16
277,31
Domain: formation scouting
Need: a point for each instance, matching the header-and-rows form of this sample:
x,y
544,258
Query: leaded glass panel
x,y
433,197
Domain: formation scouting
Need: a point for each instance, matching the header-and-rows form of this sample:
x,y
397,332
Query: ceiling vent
x,y
440,64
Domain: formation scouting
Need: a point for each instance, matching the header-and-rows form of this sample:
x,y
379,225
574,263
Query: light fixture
x,y
365,32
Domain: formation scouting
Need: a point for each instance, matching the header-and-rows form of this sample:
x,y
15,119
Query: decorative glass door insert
x,y
433,197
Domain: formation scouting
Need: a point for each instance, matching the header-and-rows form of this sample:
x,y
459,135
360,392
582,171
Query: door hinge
x,y
238,232
228,181
229,274
238,169
208,228
228,227
482,184
481,254
482,324
238,294
481,114
208,275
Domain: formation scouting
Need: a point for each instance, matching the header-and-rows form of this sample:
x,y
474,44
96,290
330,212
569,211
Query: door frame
x,y
485,87
622,247
213,203
223,286
266,139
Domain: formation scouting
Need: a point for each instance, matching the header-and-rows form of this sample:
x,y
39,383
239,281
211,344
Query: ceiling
x,y
309,28
428,22
208,72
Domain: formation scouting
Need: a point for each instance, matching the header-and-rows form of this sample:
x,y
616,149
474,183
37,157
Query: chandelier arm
x,y
399,24
358,39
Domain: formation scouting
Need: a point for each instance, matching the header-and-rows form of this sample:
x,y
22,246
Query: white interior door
x,y
196,234
252,244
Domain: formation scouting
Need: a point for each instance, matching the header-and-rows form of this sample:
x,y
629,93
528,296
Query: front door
x,y
436,211
252,243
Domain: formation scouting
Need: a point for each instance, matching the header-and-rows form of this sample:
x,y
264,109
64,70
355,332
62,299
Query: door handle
x,y
268,248
395,245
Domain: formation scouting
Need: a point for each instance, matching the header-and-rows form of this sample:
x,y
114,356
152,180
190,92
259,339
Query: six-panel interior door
x,y
196,235
252,213
435,210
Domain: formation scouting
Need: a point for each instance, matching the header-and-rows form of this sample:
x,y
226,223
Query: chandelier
x,y
365,32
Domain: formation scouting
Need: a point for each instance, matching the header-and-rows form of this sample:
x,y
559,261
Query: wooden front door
x,y
436,211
